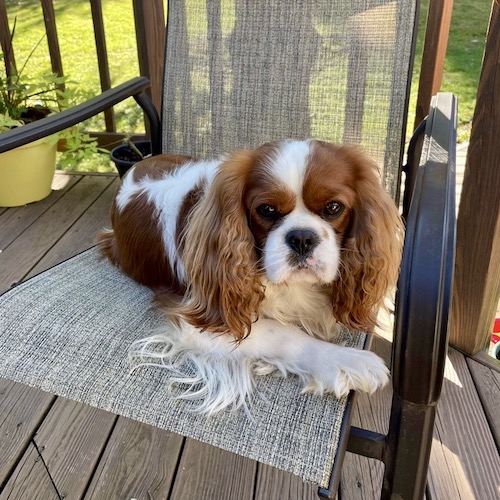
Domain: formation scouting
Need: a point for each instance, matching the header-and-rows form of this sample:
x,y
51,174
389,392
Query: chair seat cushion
x,y
67,331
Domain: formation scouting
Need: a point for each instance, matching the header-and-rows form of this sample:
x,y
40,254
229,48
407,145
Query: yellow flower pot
x,y
26,173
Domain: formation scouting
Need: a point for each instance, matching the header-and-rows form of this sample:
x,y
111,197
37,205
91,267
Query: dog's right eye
x,y
268,212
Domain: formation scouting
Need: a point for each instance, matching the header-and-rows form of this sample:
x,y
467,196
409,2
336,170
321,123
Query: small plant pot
x,y
124,157
26,173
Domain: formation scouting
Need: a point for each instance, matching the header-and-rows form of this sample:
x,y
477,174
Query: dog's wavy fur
x,y
230,320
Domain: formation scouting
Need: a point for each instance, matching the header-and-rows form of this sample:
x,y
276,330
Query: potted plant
x,y
26,172
129,153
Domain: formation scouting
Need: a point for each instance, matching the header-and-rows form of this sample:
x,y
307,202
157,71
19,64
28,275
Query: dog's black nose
x,y
302,241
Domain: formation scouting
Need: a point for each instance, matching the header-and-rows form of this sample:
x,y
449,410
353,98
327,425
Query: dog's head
x,y
287,212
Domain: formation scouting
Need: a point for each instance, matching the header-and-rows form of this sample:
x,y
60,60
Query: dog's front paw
x,y
347,369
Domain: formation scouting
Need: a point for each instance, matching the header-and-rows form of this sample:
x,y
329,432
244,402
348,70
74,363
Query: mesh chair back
x,y
239,73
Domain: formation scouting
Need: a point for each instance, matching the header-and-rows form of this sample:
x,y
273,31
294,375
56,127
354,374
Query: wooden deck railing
x,y
149,17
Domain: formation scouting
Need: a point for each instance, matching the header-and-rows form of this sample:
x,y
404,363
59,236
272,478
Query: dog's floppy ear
x,y
218,251
371,251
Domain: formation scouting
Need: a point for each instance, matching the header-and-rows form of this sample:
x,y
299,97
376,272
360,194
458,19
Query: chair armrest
x,y
76,114
425,283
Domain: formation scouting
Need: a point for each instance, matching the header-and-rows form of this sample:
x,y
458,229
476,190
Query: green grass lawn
x,y
463,62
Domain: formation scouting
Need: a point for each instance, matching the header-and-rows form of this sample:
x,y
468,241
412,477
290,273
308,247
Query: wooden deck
x,y
52,448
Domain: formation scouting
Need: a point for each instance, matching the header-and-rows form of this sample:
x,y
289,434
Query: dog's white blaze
x,y
290,163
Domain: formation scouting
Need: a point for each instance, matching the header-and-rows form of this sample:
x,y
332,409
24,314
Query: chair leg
x,y
408,450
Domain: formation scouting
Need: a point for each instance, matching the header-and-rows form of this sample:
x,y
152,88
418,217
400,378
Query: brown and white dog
x,y
260,253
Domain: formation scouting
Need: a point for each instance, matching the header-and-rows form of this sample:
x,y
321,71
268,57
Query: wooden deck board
x,y
30,480
208,472
82,234
139,462
118,458
70,441
18,219
274,483
487,382
464,445
31,245
22,409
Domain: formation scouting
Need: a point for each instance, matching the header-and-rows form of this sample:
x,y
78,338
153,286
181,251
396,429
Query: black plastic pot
x,y
124,157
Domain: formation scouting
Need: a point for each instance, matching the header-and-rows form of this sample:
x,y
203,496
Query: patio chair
x,y
335,70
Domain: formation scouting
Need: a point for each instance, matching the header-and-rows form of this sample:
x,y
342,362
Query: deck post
x,y
49,18
5,41
477,284
435,44
102,59
150,31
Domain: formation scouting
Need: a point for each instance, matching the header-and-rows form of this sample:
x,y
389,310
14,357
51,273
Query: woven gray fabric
x,y
244,72
67,331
